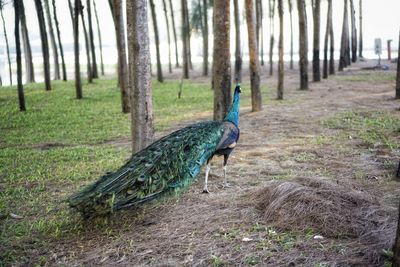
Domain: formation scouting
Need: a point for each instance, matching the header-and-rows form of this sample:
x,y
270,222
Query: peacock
x,y
167,165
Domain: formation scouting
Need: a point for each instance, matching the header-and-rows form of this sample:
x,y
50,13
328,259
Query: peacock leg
x,y
205,189
226,184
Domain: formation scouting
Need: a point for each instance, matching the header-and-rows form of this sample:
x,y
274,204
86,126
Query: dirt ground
x,y
224,228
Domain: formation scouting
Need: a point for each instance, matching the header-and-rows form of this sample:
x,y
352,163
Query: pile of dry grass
x,y
331,209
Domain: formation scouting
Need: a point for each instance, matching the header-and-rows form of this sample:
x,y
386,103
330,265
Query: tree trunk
x,y
272,31
140,74
74,12
45,44
398,72
331,46
353,32
185,45
396,247
343,42
30,74
168,36
64,70
316,40
52,41
117,12
360,42
280,48
160,77
91,40
205,38
189,49
256,102
238,52
99,34
87,46
303,45
326,41
291,34
222,56
17,17
259,30
174,32
7,46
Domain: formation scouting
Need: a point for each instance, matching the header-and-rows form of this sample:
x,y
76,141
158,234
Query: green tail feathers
x,y
168,164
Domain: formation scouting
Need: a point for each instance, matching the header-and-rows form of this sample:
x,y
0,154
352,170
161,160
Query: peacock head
x,y
238,89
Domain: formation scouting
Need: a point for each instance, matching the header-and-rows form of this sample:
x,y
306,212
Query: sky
x,y
380,20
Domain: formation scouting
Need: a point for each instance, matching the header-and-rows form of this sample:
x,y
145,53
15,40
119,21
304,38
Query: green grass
x,y
61,143
378,76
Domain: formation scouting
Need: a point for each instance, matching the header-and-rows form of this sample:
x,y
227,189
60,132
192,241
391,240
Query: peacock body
x,y
168,164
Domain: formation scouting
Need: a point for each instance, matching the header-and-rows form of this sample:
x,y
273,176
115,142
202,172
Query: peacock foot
x,y
226,185
205,191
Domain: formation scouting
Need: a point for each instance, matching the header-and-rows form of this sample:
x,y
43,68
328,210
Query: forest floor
x,y
339,138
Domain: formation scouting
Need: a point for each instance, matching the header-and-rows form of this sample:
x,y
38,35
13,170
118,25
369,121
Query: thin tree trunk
x,y
256,101
316,40
259,30
205,38
21,97
332,46
7,45
280,48
343,42
95,73
291,34
87,46
52,41
168,36
303,45
184,41
272,33
396,247
174,32
189,49
118,17
30,74
160,77
45,44
140,74
326,41
222,56
353,32
64,70
74,12
360,41
238,52
99,35
398,72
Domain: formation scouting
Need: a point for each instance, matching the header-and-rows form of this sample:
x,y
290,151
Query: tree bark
x,y
117,13
343,42
331,47
99,35
238,52
259,30
396,247
160,77
291,34
140,75
64,70
174,32
280,51
29,69
168,36
222,56
326,41
45,44
360,41
185,45
7,45
256,102
353,32
205,38
189,47
303,45
91,40
52,41
17,17
87,46
398,73
316,40
74,12
272,31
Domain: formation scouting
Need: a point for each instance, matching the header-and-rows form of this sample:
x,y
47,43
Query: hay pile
x,y
330,209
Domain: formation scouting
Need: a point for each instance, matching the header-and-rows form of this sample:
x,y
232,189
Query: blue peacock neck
x,y
233,113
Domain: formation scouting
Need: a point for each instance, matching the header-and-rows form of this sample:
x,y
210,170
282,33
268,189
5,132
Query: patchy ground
x,y
341,130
